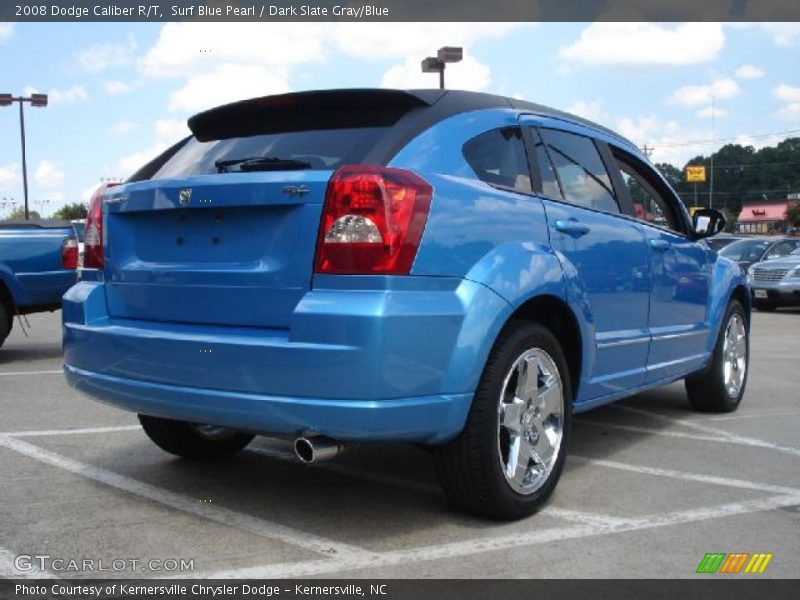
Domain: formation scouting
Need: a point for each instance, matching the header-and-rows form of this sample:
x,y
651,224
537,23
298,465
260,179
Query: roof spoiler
x,y
307,111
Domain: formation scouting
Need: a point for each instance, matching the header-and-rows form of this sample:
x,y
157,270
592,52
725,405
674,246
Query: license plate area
x,y
760,293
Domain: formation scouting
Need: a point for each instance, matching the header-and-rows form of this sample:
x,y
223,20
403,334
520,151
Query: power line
x,y
729,139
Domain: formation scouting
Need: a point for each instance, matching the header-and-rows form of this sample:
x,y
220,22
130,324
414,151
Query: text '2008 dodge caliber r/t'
x,y
453,269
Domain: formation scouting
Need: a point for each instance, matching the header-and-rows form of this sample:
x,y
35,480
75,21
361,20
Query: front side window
x,y
648,204
498,158
580,169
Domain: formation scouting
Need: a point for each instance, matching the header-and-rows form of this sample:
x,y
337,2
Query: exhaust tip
x,y
304,450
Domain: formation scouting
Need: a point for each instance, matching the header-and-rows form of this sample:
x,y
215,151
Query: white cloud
x,y
591,110
49,175
749,72
709,111
99,57
116,87
226,83
787,93
783,34
469,74
790,96
376,41
122,127
9,175
167,132
76,93
177,52
695,95
171,130
6,31
639,44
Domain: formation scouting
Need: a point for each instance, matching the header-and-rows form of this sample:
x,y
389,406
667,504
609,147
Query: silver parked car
x,y
776,282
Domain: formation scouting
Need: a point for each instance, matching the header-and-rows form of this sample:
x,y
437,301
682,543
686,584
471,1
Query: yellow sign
x,y
696,173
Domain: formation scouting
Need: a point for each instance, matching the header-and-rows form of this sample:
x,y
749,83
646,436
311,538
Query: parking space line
x,y
21,373
730,437
427,488
86,430
651,431
787,413
687,476
186,504
517,540
9,570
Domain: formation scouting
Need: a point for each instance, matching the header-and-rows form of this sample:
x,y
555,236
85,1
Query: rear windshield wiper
x,y
261,163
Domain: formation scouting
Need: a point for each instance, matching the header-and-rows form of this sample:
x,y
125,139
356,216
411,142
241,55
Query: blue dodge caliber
x,y
459,270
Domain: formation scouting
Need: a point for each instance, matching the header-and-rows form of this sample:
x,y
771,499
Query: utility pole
x,y
711,174
648,151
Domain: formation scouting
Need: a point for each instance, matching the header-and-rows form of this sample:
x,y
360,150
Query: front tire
x,y
720,387
509,457
195,441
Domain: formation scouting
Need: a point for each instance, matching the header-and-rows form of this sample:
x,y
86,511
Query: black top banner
x,y
401,10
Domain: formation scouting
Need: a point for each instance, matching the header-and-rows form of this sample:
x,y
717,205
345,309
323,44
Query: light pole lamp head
x,y
6,99
39,100
450,54
431,65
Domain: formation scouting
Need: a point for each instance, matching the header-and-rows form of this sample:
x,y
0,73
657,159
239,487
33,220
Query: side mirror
x,y
707,222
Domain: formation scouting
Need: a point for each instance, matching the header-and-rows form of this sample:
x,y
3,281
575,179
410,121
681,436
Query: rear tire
x,y
6,321
189,440
764,306
509,457
720,387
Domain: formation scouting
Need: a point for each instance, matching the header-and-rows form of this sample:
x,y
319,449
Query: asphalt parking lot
x,y
649,489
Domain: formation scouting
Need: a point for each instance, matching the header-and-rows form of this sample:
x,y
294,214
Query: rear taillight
x,y
69,254
93,236
372,222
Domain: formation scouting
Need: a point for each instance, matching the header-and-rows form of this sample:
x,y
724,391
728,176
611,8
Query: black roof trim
x,y
369,107
304,111
36,224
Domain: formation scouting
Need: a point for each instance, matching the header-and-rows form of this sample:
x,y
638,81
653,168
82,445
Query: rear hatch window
x,y
221,229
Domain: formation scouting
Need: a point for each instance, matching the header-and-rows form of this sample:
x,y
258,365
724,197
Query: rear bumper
x,y
399,362
429,419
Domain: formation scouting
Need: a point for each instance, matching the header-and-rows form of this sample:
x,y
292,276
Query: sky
x,y
121,92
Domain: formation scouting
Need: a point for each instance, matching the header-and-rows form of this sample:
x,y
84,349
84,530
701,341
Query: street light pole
x,y
436,64
24,158
38,100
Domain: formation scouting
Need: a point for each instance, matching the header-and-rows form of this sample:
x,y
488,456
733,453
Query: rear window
x,y
498,158
321,149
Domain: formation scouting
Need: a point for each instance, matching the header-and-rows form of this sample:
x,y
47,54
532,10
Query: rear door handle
x,y
660,245
571,227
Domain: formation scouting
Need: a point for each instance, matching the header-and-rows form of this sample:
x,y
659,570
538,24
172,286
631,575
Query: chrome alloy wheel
x,y
213,432
530,421
734,355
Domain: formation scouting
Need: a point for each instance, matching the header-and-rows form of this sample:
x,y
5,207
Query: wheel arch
x,y
555,314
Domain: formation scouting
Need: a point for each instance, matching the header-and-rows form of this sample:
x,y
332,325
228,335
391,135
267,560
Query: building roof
x,y
754,213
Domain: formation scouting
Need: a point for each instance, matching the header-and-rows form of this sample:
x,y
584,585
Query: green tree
x,y
68,212
18,214
793,214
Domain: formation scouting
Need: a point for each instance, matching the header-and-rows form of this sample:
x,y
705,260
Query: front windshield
x,y
745,250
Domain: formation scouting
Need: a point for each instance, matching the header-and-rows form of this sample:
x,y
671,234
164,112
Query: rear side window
x,y
581,171
547,173
320,149
498,158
